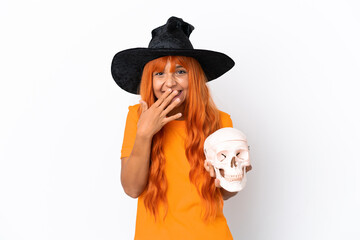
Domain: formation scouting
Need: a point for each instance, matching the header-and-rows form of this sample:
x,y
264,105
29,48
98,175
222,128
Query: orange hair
x,y
202,118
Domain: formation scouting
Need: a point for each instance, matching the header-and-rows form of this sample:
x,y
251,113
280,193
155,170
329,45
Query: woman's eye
x,y
181,72
158,74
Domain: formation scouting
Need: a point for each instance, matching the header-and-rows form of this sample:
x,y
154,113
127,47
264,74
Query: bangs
x,y
158,65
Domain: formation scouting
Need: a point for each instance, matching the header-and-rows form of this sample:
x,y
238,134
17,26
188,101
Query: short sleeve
x,y
225,120
130,131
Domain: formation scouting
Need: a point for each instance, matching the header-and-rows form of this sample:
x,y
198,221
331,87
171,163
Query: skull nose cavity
x,y
233,162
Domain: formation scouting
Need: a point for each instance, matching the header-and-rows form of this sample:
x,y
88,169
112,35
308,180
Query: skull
x,y
227,150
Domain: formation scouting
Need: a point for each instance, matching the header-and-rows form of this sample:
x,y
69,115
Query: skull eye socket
x,y
242,155
221,156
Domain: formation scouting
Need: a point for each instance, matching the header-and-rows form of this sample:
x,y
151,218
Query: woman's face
x,y
177,80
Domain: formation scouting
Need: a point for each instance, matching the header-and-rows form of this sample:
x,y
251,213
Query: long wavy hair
x,y
202,118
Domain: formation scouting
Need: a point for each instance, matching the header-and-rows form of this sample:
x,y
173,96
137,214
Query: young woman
x,y
162,158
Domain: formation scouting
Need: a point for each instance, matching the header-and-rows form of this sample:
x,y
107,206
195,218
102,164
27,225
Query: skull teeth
x,y
232,178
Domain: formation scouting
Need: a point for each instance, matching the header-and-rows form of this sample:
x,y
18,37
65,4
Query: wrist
x,y
144,136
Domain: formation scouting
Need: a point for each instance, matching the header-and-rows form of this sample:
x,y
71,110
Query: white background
x,y
293,92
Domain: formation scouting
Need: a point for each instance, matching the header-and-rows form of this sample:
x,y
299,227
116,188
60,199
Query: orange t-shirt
x,y
183,220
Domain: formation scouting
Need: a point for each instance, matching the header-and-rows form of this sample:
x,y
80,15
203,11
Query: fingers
x,y
173,117
212,172
209,167
163,97
168,99
217,183
171,106
144,106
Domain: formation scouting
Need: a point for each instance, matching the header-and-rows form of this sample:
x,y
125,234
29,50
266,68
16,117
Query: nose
x,y
233,162
170,81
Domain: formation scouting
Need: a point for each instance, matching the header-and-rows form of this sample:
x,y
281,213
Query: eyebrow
x,y
179,66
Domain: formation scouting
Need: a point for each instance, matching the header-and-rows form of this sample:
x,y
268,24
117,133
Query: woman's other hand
x,y
210,169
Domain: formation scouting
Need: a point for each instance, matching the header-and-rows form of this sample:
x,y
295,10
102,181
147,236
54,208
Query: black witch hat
x,y
169,39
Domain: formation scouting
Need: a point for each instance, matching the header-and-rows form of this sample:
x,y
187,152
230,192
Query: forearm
x,y
135,169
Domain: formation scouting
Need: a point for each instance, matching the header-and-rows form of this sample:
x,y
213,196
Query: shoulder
x,y
134,108
225,119
223,114
133,111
